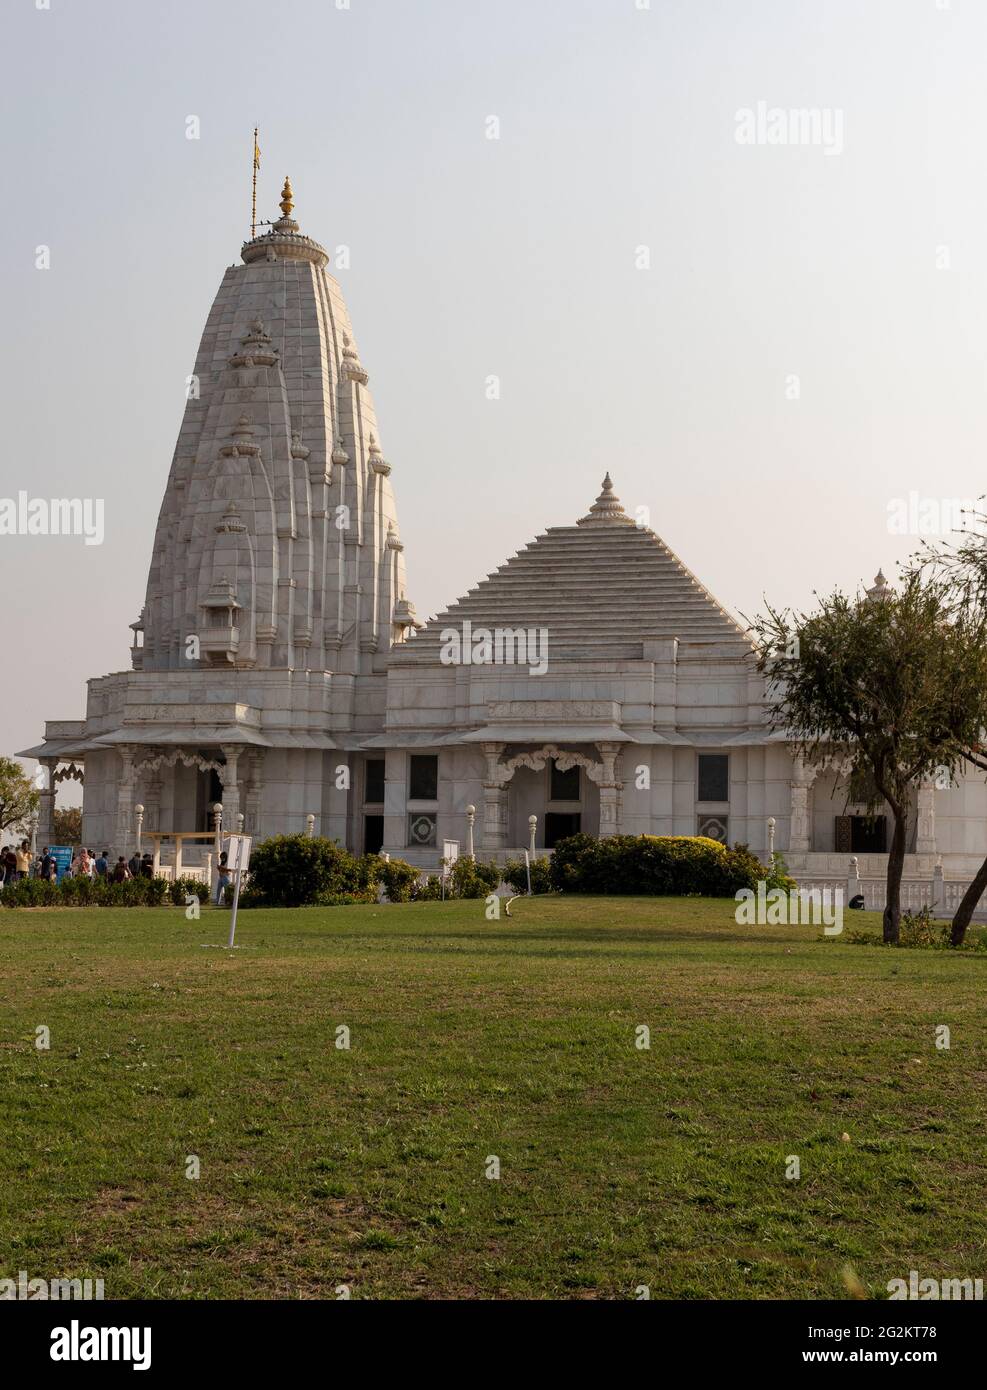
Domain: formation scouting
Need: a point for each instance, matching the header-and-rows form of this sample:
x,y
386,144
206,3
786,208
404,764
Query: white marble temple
x,y
278,665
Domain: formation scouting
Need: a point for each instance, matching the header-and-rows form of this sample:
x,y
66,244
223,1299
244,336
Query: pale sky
x,y
861,273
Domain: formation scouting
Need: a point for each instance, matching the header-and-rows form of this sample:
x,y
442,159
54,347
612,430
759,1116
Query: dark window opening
x,y
373,834
424,781
714,777
373,791
564,785
560,825
862,834
208,792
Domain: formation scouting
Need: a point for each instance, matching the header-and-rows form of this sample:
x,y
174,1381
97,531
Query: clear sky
x,y
860,271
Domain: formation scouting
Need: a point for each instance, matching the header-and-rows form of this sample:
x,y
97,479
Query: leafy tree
x,y
18,797
963,565
67,826
892,682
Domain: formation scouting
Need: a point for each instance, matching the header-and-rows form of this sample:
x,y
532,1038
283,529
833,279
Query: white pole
x,y
470,818
140,824
527,869
532,826
217,811
771,841
236,899
310,825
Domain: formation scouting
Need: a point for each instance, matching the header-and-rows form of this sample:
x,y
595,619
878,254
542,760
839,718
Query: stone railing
x,y
942,897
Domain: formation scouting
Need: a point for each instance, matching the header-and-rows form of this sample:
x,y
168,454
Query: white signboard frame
x,y
237,861
238,852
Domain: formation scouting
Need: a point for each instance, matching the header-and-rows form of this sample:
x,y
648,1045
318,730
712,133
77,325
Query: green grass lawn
x,y
618,1166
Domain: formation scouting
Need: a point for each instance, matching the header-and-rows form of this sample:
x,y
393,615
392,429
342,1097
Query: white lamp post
x,y
239,822
217,812
771,841
532,827
310,825
470,819
140,825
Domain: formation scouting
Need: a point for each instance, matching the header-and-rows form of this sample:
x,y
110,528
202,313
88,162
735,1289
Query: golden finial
x,y
286,201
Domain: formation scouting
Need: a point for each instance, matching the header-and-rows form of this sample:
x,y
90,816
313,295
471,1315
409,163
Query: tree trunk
x,y
967,907
896,866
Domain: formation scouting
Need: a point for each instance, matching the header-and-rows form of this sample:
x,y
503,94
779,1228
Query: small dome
x,y
607,509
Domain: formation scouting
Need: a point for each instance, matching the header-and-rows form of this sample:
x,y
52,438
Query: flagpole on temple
x,y
253,204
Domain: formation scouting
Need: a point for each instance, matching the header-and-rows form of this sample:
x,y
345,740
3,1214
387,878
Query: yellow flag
x,y
256,153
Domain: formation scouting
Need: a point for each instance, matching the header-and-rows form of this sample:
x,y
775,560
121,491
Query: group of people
x,y
17,862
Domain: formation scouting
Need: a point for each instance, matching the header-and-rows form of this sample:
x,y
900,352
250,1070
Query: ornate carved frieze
x,y
537,760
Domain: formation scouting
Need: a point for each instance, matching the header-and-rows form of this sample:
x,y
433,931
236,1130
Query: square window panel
x,y
421,830
713,827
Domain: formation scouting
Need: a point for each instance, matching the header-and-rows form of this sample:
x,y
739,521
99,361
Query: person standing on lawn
x,y
223,877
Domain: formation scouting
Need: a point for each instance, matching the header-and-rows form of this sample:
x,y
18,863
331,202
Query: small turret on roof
x,y
607,509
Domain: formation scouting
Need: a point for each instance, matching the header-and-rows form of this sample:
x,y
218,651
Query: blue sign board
x,y
62,855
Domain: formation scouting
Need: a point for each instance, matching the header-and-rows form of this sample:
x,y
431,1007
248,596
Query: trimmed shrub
x,y
471,879
777,876
399,879
301,870
30,892
658,865
86,892
185,887
515,874
427,889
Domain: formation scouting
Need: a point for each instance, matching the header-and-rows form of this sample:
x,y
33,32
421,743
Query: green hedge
x,y
88,892
675,865
515,873
399,880
306,870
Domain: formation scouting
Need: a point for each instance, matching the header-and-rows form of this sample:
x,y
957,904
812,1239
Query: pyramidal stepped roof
x,y
601,588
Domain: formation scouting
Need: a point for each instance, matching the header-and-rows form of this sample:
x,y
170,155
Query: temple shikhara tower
x,y
277,581
279,671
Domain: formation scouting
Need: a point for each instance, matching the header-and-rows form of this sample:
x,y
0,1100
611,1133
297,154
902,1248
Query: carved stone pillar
x,y
800,835
610,789
152,801
46,804
231,787
493,835
125,836
925,830
252,791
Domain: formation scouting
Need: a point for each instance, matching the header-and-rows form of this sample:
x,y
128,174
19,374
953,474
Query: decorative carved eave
x,y
538,760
